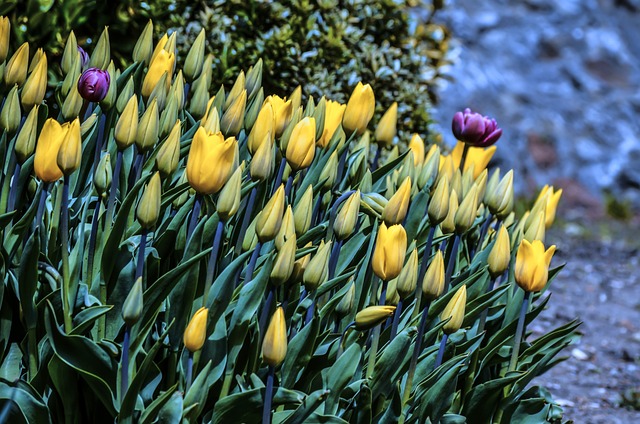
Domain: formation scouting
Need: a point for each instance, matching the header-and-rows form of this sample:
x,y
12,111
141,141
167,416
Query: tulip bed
x,y
172,253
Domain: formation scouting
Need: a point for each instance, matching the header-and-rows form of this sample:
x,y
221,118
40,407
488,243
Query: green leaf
x,y
31,408
28,280
246,407
84,319
391,363
484,398
151,412
336,378
299,352
308,406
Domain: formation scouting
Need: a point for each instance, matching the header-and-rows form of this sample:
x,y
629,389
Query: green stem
x,y
268,397
246,218
66,277
440,356
426,254
452,261
226,385
124,366
195,214
189,372
141,249
92,243
519,332
373,352
113,190
463,159
33,352
213,261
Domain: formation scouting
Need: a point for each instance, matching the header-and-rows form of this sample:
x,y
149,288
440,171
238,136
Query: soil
x,y
600,284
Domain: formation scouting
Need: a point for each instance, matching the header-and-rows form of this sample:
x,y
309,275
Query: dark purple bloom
x,y
84,57
474,129
93,84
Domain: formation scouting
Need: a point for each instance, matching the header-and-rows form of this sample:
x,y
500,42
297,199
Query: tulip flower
x,y
5,32
133,304
371,316
210,161
454,311
196,331
229,198
101,55
26,140
301,149
103,175
261,167
144,45
532,265
433,281
359,110
263,128
70,151
347,217
274,346
448,225
477,157
389,252
161,63
11,114
148,128
500,254
45,164
149,206
386,129
467,211
303,212
550,198
127,125
395,211
15,71
500,200
317,270
93,84
195,57
474,129
233,118
408,278
282,111
534,228
36,85
169,153
283,264
334,112
287,228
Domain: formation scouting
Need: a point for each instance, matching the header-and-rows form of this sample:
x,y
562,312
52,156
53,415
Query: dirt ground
x,y
600,285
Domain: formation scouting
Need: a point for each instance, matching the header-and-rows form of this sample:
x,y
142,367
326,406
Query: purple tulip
x,y
84,57
93,84
474,129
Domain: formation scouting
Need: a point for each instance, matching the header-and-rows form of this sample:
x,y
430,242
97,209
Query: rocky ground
x,y
601,285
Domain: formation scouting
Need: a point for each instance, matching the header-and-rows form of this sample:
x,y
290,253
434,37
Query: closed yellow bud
x,y
254,106
101,55
195,58
386,129
254,78
269,220
500,254
36,86
303,212
15,72
70,152
359,109
274,346
229,197
5,32
286,134
345,305
454,311
287,228
26,140
550,199
532,265
300,265
535,226
233,118
389,252
371,316
236,90
103,175
329,171
11,113
439,203
144,46
282,110
127,126
45,164
261,166
433,281
72,103
317,270
210,161
448,226
347,218
159,92
196,331
302,146
500,200
161,63
334,111
263,127
395,211
283,264
466,213
200,101
133,305
416,144
149,206
429,171
296,97
446,168
148,127
211,120
169,153
408,278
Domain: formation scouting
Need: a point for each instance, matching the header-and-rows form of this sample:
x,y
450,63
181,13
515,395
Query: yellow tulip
x,y
261,166
500,200
416,144
161,63
395,211
448,226
500,254
300,265
45,163
233,118
196,332
532,265
229,198
144,45
274,346
467,211
148,127
408,278
359,110
301,148
317,270
127,126
455,310
283,264
5,32
332,118
169,153
433,281
386,129
263,127
210,161
149,206
287,228
282,110
371,316
479,157
36,86
439,203
389,252
551,199
15,71
346,219
26,140
535,226
296,97
269,220
70,151
303,211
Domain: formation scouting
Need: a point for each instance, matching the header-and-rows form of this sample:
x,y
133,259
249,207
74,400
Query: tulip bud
x,y
195,58
439,203
416,145
386,129
133,304
395,211
93,84
177,90
125,95
45,162
500,200
163,62
375,202
255,106
26,140
500,254
15,72
317,270
274,346
357,165
70,152
269,219
127,126
548,199
345,306
199,103
160,45
236,90
147,131
211,120
70,53
475,129
149,206
72,104
454,311
283,112
169,153
467,211
196,331
254,79
535,227
233,117
333,115
408,278
5,32
532,265
11,113
448,226
169,116
296,97
429,171
390,250
302,213
144,46
329,171
299,266
102,177
301,149
371,316
36,85
347,218
283,264
229,197
433,281
71,78
101,55
287,228
210,161
182,199
263,127
261,166
359,109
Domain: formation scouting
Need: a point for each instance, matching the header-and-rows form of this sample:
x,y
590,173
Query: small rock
x,y
579,354
565,403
